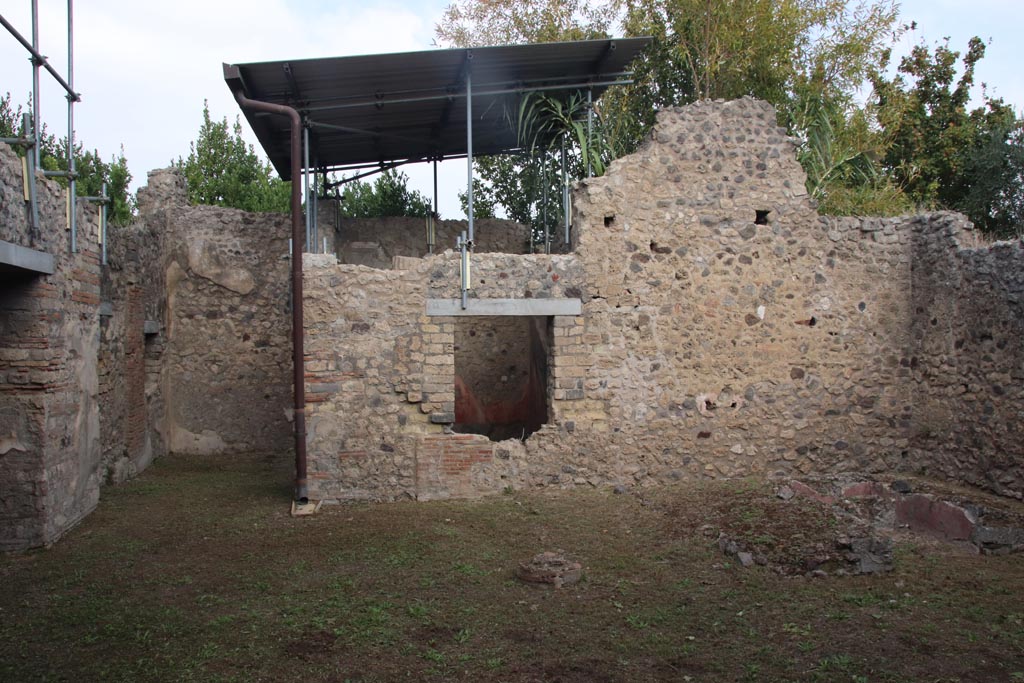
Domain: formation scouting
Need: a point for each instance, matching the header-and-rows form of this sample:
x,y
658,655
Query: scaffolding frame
x,y
31,129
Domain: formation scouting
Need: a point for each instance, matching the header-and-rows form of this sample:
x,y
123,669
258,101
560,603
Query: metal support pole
x,y
433,218
103,226
590,131
533,196
30,170
298,340
35,81
469,146
544,204
464,275
72,199
316,214
305,185
565,196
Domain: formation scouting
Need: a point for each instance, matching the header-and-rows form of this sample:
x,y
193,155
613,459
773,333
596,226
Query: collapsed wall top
x,y
373,109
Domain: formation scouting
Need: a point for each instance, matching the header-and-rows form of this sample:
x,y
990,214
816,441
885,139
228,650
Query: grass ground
x,y
195,571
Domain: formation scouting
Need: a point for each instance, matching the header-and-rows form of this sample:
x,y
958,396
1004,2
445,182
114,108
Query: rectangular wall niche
x,y
501,375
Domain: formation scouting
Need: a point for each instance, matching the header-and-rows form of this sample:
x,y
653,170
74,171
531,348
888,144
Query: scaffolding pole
x,y
305,185
590,131
465,242
565,197
31,133
36,63
72,198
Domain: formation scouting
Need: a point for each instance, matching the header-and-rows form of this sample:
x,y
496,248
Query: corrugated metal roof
x,y
390,107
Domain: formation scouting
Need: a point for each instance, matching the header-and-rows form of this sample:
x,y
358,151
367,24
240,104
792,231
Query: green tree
x,y
792,53
994,199
943,153
223,170
90,168
387,195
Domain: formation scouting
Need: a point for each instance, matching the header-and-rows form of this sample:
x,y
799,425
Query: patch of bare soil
x,y
747,517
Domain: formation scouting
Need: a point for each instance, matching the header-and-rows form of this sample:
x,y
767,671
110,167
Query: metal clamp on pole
x,y
465,282
103,200
431,231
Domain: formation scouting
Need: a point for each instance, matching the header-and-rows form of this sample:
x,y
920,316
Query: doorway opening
x,y
501,375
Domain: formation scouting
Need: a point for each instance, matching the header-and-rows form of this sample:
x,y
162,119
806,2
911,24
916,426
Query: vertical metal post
x,y
533,196
316,213
305,185
469,145
565,196
103,225
432,218
464,275
544,204
72,198
30,170
35,84
590,131
435,187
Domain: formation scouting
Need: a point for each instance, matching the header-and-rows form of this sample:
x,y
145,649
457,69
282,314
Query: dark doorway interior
x,y
501,375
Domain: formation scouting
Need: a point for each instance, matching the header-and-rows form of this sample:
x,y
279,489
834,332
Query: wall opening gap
x,y
501,375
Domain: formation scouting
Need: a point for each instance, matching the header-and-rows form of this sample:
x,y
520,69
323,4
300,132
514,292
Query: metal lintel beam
x,y
18,258
503,307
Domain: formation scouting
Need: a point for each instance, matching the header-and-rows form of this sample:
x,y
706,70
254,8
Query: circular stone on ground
x,y
549,567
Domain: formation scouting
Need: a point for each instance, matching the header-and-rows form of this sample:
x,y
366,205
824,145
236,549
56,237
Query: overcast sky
x,y
144,68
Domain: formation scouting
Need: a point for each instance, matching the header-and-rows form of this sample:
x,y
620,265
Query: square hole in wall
x,y
501,375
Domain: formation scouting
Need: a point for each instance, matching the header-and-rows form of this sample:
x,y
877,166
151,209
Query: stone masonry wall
x,y
375,242
724,347
131,369
227,360
727,330
968,355
381,375
49,334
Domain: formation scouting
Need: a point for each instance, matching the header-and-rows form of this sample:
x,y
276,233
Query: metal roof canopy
x,y
377,109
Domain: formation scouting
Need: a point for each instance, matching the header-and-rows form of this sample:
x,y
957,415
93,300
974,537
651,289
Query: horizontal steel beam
x,y
476,93
501,307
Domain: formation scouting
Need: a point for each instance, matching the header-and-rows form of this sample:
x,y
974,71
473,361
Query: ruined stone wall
x,y
375,242
227,357
381,375
725,347
968,355
49,332
712,343
132,341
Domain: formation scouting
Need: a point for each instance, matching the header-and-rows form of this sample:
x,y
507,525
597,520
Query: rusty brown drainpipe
x,y
298,239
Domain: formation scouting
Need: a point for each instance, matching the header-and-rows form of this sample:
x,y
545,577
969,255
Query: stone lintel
x,y
150,327
517,307
15,259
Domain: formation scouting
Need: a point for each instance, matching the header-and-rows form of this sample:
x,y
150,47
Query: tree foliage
x,y
223,170
944,154
90,168
387,195
914,143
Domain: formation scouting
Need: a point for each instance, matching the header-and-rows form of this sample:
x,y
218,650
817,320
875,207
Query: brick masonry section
x,y
49,332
